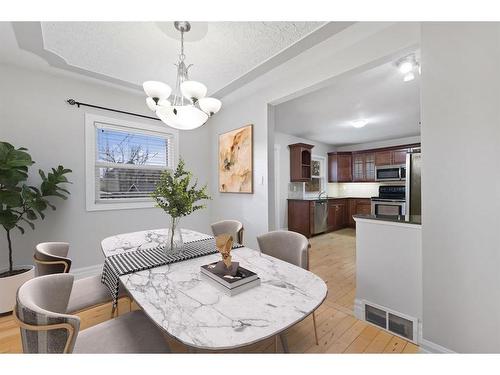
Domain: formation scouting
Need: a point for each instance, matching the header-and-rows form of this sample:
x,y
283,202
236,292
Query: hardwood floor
x,y
332,258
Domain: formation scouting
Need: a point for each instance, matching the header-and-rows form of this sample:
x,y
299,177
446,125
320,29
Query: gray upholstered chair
x,y
232,227
46,327
52,257
292,247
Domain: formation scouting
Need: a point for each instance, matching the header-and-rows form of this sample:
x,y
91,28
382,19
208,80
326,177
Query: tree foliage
x,y
175,194
21,204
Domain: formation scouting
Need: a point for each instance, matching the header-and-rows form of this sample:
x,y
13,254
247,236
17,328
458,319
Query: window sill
x,y
110,206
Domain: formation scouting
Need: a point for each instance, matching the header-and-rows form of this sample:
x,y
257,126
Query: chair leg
x,y
315,329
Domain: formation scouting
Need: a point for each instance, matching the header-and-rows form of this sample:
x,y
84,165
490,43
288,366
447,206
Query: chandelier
x,y
186,107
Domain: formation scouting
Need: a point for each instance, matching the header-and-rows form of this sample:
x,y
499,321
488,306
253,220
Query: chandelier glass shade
x,y
186,107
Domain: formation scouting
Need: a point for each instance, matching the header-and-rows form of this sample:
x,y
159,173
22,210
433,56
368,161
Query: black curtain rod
x,y
78,104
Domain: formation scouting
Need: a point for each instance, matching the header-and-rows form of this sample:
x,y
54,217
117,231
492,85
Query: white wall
x,y
388,272
461,185
282,167
354,48
34,114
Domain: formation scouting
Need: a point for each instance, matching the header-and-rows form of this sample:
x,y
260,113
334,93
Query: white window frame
x,y
94,122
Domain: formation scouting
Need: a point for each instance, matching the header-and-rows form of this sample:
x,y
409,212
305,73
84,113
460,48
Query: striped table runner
x,y
139,260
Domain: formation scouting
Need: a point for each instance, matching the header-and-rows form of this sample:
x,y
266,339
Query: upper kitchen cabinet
x,y
300,162
399,156
390,157
339,167
363,166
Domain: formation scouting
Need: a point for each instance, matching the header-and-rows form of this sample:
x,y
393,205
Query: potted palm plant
x,y
20,205
176,195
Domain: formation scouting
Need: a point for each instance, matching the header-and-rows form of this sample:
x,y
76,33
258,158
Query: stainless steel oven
x,y
390,173
388,207
390,202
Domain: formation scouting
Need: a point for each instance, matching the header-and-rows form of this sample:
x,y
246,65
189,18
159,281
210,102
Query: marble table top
x,y
146,239
197,314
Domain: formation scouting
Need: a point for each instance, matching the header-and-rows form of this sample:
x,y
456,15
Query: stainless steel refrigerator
x,y
413,204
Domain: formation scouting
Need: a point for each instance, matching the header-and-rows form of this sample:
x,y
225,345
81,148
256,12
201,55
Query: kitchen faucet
x,y
321,193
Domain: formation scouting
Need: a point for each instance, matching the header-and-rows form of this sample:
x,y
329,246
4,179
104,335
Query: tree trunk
x,y
11,266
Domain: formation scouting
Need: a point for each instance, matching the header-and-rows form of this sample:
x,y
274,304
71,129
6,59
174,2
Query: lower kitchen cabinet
x,y
340,212
337,210
301,216
358,206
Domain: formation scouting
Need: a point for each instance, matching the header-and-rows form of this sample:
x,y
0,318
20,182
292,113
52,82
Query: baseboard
x,y
82,272
359,311
427,346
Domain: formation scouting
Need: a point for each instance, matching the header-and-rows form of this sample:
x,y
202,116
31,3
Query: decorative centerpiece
x,y
224,244
21,204
226,275
175,194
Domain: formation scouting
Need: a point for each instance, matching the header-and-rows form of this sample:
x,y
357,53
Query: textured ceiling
x,y
378,95
134,52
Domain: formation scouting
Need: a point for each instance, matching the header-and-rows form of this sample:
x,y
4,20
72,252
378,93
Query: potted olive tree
x,y
176,195
20,205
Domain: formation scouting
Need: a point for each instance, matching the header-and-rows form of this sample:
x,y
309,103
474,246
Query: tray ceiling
x,y
129,53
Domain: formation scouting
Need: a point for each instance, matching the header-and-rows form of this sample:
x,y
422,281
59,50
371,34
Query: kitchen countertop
x,y
411,219
316,199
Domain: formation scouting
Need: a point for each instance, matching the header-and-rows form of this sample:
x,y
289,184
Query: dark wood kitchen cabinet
x,y
390,157
399,156
300,162
339,167
337,214
301,216
358,206
363,167
340,212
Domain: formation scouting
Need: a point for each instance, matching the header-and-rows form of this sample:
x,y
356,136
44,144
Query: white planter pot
x,y
9,286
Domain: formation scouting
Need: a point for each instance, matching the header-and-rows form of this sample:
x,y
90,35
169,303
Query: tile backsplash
x,y
353,189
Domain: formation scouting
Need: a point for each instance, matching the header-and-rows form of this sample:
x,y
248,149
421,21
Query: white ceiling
x,y
378,95
129,53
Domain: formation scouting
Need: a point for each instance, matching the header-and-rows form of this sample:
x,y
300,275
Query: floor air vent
x,y
391,321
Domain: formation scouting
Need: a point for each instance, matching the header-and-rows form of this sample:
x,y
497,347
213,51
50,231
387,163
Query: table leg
x,y
284,342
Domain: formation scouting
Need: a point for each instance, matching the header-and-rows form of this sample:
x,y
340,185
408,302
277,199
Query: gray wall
x,y
250,209
461,185
34,115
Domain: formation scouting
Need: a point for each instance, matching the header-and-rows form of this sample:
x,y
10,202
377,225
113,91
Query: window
x,y
125,161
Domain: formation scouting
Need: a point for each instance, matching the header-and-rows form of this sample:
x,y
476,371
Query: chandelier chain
x,y
182,56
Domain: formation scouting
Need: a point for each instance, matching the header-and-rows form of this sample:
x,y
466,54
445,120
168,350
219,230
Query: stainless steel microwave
x,y
390,173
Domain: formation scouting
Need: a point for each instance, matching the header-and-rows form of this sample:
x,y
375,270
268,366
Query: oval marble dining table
x,y
199,315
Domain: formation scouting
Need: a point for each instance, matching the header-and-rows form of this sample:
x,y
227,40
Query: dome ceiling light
x,y
187,107
409,67
359,123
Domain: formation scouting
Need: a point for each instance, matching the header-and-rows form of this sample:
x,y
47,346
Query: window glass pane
x,y
115,183
114,146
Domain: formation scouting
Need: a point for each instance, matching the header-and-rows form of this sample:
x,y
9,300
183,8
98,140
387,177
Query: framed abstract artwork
x,y
236,161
